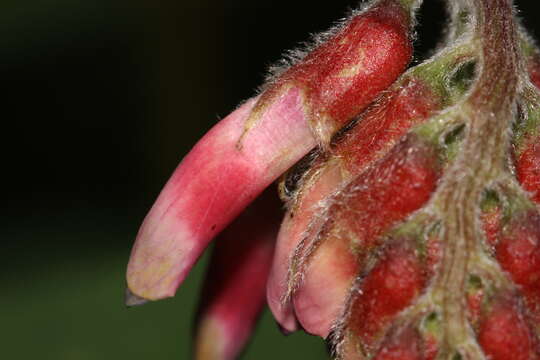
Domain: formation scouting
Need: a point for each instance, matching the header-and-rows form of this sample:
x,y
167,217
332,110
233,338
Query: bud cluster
x,y
412,225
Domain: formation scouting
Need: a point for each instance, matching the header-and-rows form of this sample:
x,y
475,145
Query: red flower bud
x,y
378,129
403,344
356,219
518,253
393,283
343,75
504,333
250,148
235,286
528,168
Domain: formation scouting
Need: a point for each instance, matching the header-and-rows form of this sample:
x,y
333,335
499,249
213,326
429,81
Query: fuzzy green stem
x,y
487,113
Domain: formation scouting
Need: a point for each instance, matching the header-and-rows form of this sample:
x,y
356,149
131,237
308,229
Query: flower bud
x,y
234,289
504,333
408,103
341,239
250,148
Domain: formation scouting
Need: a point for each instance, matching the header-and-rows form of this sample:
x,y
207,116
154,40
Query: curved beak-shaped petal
x,y
210,187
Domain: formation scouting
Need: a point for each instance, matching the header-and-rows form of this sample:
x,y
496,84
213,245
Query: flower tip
x,y
211,341
131,299
284,330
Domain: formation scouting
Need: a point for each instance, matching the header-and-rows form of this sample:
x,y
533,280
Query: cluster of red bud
x,y
412,226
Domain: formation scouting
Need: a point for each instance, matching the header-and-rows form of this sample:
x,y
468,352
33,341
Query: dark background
x,y
100,101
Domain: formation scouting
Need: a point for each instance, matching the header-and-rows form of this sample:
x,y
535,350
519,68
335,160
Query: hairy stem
x,y
487,113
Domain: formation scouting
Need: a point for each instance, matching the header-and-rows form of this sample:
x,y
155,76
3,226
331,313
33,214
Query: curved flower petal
x,y
210,187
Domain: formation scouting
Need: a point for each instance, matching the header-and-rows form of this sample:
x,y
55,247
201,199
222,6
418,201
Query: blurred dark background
x,y
100,101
